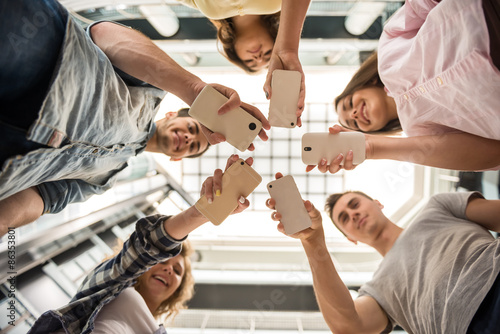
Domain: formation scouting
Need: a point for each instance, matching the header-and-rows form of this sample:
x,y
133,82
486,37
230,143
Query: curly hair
x,y
170,307
226,37
367,76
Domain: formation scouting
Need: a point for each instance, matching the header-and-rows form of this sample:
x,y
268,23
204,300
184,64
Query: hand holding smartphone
x,y
289,204
319,145
284,98
239,127
238,180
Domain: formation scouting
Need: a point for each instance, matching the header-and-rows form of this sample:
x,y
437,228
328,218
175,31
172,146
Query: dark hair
x,y
333,199
226,37
184,112
367,76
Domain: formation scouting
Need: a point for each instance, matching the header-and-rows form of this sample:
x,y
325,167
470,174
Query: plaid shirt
x,y
147,246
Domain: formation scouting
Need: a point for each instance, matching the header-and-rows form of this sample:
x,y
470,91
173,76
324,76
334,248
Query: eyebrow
x,y
348,205
197,128
180,268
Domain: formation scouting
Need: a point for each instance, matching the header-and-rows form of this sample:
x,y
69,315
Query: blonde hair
x,y
170,307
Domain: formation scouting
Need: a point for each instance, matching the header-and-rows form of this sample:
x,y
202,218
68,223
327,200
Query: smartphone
x,y
239,127
289,204
318,145
284,98
238,180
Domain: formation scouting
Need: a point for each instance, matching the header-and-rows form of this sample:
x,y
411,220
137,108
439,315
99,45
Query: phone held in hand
x,y
319,145
289,204
239,127
284,98
238,180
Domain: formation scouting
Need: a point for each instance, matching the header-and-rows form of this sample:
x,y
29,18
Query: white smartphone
x,y
319,145
289,204
284,98
238,180
239,127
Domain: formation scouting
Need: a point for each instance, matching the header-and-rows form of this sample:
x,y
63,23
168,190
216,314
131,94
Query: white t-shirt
x,y
126,314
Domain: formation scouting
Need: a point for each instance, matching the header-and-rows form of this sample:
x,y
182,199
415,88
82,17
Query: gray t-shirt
x,y
438,271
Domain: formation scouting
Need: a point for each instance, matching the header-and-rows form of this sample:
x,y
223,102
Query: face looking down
x,y
367,109
180,137
359,217
161,281
254,46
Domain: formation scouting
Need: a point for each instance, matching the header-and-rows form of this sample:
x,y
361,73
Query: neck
x,y
151,304
386,239
393,109
241,23
152,144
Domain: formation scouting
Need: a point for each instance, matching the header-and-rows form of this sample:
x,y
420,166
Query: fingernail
x,y
217,192
210,201
340,156
242,199
349,154
323,162
267,95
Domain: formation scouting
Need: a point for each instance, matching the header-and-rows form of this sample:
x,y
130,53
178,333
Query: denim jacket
x,y
147,246
93,121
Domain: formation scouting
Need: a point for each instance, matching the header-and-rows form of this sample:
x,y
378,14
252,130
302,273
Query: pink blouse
x,y
434,61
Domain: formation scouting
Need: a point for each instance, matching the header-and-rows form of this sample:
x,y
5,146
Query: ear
x,y
352,240
170,114
175,159
380,205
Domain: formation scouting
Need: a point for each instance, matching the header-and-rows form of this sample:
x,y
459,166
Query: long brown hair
x,y
367,76
226,37
170,307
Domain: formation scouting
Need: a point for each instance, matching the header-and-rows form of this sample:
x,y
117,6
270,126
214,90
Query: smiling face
x,y
358,217
161,281
180,137
367,109
254,46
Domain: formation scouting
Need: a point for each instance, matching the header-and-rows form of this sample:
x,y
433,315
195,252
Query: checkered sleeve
x,y
147,246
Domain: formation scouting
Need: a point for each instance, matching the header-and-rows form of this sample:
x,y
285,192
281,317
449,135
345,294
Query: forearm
x,y
293,13
484,212
20,209
137,55
334,299
180,225
459,151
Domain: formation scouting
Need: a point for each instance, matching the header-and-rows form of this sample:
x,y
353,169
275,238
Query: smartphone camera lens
x,y
307,148
270,186
252,126
242,163
292,124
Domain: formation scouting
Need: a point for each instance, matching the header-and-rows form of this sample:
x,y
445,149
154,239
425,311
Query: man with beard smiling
x,y
438,275
76,105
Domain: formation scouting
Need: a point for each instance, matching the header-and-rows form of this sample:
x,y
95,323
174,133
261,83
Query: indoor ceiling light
x,y
162,18
362,15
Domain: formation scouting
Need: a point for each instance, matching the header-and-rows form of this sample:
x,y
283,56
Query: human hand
x,y
286,60
213,184
336,164
233,103
316,229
